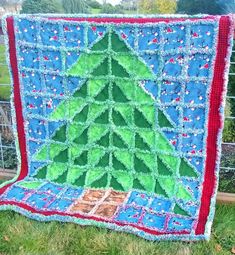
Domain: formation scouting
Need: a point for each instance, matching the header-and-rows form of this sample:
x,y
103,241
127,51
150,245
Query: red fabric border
x,y
214,124
17,101
215,121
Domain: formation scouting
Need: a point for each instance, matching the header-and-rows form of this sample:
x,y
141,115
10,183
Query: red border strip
x,y
77,215
17,101
215,123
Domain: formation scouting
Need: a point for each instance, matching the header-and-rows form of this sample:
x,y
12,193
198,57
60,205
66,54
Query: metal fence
x,y
8,159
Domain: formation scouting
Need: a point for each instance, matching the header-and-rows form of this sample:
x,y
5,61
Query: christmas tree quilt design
x,y
111,136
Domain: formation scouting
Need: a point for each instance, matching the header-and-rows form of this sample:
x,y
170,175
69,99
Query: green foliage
x,y
110,9
75,6
20,235
199,6
93,4
4,76
41,6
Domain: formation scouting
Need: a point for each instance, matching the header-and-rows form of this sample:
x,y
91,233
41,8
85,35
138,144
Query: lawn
x,y
19,235
4,76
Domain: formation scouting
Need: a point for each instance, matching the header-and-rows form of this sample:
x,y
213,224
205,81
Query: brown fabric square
x,y
93,195
116,197
106,210
82,207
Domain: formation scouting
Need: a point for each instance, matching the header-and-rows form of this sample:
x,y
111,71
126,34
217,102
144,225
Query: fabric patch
x,y
114,118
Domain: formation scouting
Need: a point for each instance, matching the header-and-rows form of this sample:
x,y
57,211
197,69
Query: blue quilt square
x,y
51,188
170,92
15,193
173,138
173,113
34,105
72,83
54,84
199,65
178,224
174,37
37,128
173,65
148,38
138,199
53,126
151,87
192,143
194,118
197,162
193,186
29,57
27,30
51,103
129,214
60,204
73,193
31,82
127,34
39,200
52,60
73,35
195,92
34,166
50,34
152,220
202,36
95,33
34,146
160,205
71,58
152,60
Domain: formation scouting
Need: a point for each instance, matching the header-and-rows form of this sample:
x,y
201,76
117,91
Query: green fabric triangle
x,y
115,184
159,190
179,210
118,95
140,166
102,69
60,134
62,156
83,138
140,143
140,120
41,173
82,91
118,120
137,184
104,161
162,168
80,182
104,141
118,70
82,159
103,94
162,120
118,45
103,118
102,44
186,170
82,115
146,181
100,183
118,142
124,157
118,165
62,178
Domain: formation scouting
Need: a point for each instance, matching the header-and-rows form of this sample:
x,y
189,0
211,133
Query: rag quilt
x,y
118,120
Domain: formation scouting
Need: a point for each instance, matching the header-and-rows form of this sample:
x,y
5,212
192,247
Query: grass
x,y
19,235
4,76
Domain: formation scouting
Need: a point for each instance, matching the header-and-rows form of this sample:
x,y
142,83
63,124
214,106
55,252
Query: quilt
x,y
118,120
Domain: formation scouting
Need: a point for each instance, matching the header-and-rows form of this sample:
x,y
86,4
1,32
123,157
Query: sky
x,y
113,2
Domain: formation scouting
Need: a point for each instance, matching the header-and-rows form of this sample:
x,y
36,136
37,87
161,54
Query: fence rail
x,y
8,159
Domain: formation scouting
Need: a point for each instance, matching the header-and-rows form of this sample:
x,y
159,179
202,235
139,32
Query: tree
x,y
166,6
94,4
41,6
75,6
148,6
110,9
199,6
108,138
